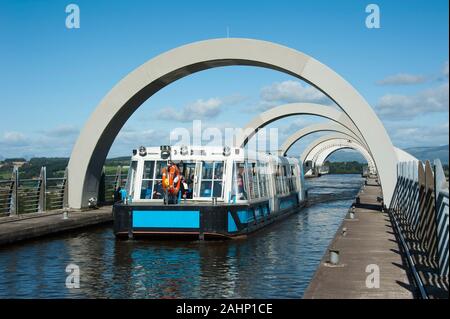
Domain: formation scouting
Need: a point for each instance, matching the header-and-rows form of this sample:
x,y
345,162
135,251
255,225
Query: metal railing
x,y
109,183
34,195
419,209
6,197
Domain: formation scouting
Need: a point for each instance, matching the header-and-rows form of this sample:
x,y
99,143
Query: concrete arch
x,y
403,156
400,154
320,149
321,156
286,110
333,127
334,136
98,134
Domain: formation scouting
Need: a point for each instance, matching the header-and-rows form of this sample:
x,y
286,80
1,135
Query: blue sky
x,y
53,77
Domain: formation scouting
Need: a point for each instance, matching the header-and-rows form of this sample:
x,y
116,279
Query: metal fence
x,y
40,194
6,188
420,212
109,183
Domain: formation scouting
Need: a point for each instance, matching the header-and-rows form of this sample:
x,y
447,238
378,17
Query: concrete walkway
x,y
369,240
28,226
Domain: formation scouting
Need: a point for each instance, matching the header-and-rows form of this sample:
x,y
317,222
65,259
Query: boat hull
x,y
198,221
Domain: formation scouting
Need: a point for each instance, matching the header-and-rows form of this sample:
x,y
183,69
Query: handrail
x,y
419,210
39,194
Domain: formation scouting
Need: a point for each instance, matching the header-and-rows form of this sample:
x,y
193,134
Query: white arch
x,y
98,134
320,140
401,154
325,149
315,146
287,110
314,128
323,155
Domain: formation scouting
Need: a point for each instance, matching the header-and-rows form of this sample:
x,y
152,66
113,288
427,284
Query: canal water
x,y
276,262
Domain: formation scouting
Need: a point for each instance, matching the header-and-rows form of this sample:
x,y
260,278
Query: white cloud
x,y
13,138
414,135
290,92
402,79
52,142
199,110
445,69
62,131
135,138
397,106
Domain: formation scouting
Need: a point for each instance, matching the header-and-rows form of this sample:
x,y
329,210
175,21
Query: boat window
x,y
130,179
149,168
293,183
159,168
249,175
252,180
218,179
187,170
262,176
211,184
147,189
207,170
239,190
218,170
279,180
151,187
255,179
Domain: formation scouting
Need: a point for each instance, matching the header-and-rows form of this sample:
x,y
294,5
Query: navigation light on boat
x,y
165,151
184,150
226,151
142,151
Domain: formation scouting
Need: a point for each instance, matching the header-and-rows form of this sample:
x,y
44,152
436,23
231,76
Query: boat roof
x,y
209,153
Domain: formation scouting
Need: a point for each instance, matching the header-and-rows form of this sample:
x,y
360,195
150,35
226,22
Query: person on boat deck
x,y
240,183
158,191
118,195
171,183
184,188
190,183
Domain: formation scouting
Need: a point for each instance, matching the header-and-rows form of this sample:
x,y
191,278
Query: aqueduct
x,y
292,109
321,127
319,152
98,134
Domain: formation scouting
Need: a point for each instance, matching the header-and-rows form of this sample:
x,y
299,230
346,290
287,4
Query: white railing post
x,y
14,199
42,188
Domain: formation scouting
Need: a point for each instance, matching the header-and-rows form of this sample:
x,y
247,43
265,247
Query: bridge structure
x,y
414,195
316,158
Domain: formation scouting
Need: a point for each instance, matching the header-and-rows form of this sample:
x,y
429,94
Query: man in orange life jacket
x,y
171,183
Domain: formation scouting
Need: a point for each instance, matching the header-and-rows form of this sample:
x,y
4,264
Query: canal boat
x,y
225,192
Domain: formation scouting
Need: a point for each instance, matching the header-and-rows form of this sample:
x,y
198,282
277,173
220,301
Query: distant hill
x,y
422,153
346,156
56,166
430,153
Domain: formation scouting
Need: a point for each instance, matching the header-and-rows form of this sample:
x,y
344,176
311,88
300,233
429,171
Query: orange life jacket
x,y
168,178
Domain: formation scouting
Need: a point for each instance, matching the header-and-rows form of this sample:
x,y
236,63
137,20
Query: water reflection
x,y
277,262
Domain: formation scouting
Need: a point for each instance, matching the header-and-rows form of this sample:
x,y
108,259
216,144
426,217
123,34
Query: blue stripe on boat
x,y
231,224
166,219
